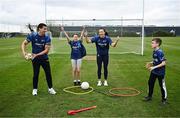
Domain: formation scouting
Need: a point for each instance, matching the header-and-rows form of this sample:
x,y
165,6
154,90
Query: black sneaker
x,y
164,102
147,98
79,83
75,83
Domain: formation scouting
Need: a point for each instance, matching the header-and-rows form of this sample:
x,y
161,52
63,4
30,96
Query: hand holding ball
x,y
149,65
28,56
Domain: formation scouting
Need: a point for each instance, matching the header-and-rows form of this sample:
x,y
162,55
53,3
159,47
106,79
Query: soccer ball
x,y
28,56
85,85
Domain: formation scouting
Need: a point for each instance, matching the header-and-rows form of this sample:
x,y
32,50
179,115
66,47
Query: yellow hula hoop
x,y
67,91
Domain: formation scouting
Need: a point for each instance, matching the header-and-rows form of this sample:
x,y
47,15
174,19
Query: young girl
x,y
76,55
102,42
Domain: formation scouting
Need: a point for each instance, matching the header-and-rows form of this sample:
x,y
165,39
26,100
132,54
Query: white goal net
x,y
124,18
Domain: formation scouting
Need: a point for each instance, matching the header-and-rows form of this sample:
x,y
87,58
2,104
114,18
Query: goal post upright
x,y
142,45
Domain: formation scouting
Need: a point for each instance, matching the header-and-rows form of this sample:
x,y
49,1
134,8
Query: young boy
x,y
157,69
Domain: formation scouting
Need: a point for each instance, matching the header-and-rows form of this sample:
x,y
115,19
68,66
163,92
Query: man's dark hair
x,y
41,25
157,40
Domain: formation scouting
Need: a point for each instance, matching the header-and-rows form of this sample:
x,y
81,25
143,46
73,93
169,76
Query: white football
x,y
85,85
28,56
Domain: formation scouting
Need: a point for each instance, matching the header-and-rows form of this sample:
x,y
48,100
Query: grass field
x,y
125,70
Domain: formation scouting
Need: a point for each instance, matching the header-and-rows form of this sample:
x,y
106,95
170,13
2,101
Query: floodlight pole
x,y
94,24
45,11
142,45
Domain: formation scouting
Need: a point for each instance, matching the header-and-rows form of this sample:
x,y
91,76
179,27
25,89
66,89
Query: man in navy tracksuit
x,y
40,47
157,71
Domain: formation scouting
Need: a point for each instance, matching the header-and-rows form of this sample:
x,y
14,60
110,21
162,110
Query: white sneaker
x,y
99,83
34,92
52,91
105,83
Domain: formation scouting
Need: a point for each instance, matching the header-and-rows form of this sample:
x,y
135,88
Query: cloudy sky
x,y
157,12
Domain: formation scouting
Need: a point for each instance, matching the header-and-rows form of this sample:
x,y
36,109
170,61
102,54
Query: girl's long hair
x,y
106,33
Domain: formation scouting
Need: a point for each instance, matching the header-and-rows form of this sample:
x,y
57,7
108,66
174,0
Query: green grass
x,y
125,70
130,44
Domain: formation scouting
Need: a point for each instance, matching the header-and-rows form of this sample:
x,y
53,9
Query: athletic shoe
x,y
52,91
164,102
75,83
105,83
34,92
147,98
99,83
79,83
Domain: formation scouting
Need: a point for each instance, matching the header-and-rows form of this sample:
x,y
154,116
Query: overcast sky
x,y
157,12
